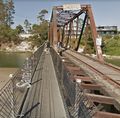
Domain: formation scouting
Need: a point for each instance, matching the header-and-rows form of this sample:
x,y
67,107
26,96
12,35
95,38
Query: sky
x,y
106,12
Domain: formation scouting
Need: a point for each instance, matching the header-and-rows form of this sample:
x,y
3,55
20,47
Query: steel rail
x,y
110,80
105,63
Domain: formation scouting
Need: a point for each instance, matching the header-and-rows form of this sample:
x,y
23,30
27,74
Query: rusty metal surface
x,y
101,98
91,86
84,79
64,18
78,104
100,70
94,33
100,114
108,73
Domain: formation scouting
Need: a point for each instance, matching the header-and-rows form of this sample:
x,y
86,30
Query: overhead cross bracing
x,y
73,23
63,17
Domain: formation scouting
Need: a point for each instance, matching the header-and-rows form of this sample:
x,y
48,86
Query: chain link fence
x,y
78,105
13,94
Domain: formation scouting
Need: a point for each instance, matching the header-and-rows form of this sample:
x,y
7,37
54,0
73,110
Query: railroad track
x,y
116,68
108,72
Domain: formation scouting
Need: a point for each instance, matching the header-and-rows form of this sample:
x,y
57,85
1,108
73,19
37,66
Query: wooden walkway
x,y
44,99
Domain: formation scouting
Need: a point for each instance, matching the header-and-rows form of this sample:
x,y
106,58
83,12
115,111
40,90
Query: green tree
x,y
3,13
8,35
87,41
10,12
27,25
19,29
41,15
40,33
113,45
6,12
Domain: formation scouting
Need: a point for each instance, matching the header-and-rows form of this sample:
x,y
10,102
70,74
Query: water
x,y
16,60
12,60
114,61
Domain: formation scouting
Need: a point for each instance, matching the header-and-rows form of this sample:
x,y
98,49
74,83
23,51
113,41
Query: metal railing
x,y
13,94
78,105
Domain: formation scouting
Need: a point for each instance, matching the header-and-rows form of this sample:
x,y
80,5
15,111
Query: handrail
x,y
78,105
11,96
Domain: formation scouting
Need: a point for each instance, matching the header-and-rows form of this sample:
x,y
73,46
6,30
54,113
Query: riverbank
x,y
105,56
24,46
4,75
112,57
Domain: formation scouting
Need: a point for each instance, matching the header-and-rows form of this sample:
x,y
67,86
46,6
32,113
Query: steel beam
x,y
100,114
51,33
63,33
81,32
77,27
69,33
101,99
54,20
84,79
94,33
81,12
90,86
86,33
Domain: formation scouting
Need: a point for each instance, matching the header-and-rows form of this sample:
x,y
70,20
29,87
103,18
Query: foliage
x,y
113,61
87,41
8,35
2,12
40,32
6,12
42,14
10,11
27,25
19,29
112,45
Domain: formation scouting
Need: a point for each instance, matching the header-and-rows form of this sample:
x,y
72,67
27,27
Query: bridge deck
x,y
44,99
109,72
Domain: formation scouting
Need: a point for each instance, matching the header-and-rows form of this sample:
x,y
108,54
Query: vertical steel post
x,y
51,33
77,27
86,33
94,33
69,33
71,29
54,20
63,32
81,32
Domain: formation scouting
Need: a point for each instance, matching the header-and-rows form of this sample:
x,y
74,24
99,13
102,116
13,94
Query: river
x,y
12,60
9,63
114,61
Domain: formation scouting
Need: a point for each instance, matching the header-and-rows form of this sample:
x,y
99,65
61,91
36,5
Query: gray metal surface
x,y
44,99
73,94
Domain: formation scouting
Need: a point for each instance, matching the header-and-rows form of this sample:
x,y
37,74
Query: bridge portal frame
x,y
56,24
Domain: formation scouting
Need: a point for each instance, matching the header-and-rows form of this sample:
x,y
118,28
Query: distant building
x,y
107,30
